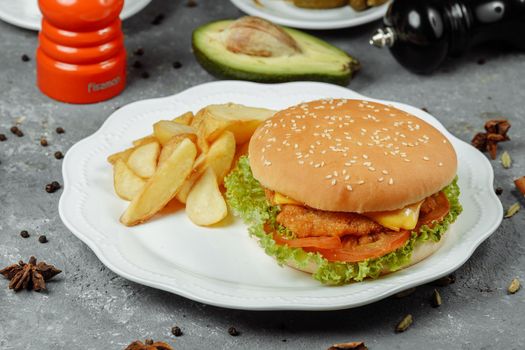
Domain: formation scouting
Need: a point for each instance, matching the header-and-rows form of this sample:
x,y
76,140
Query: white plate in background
x,y
26,14
223,266
285,13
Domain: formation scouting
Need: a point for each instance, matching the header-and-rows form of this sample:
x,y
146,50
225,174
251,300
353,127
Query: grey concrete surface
x,y
89,307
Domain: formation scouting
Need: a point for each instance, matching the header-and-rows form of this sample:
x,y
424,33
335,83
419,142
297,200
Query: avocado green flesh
x,y
317,60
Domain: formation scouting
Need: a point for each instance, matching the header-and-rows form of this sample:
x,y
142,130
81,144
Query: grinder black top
x,y
422,33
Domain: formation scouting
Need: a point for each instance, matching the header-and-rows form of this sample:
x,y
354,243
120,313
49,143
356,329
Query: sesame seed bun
x,y
351,156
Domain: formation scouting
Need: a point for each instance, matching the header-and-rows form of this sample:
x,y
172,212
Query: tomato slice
x,y
358,249
331,242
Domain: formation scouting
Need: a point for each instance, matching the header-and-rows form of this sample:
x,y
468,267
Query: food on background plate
x,y
252,48
346,189
358,5
185,159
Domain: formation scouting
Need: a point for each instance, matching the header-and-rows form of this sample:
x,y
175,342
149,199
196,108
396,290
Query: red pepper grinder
x,y
81,56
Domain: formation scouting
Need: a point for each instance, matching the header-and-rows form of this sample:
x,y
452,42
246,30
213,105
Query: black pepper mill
x,y
422,33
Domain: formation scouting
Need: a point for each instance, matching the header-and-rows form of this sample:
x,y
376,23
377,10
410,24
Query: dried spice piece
x,y
514,286
233,331
513,209
404,323
53,187
177,65
60,130
42,239
496,131
43,142
16,130
356,345
145,75
445,281
59,155
191,3
24,234
148,344
29,276
158,19
3,138
137,65
498,191
424,109
176,331
25,58
405,293
139,52
436,299
506,160
520,184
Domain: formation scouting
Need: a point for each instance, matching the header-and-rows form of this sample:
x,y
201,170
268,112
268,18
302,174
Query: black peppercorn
x,y
145,75
42,239
158,19
498,191
25,58
177,65
16,130
52,187
137,64
59,155
191,3
24,234
233,331
139,51
60,130
43,142
3,138
176,331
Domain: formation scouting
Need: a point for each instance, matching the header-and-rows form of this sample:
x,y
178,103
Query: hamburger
x,y
346,189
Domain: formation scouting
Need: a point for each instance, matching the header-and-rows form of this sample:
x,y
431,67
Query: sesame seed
x,y
426,158
347,177
371,168
380,179
391,181
328,176
440,164
334,181
360,182
365,156
349,187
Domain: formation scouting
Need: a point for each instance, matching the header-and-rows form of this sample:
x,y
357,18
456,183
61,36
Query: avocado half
x,y
318,60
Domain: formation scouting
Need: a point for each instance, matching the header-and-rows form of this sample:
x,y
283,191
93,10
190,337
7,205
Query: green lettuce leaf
x,y
247,199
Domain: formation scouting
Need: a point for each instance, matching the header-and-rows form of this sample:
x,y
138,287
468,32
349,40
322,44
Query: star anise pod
x,y
495,131
30,275
148,345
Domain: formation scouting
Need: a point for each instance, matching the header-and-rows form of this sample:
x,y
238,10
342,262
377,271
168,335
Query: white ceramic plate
x,y
25,13
285,13
223,266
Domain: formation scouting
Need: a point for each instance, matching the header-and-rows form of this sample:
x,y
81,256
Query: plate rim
x,y
25,23
375,14
250,305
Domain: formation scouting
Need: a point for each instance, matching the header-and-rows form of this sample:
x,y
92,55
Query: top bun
x,y
351,156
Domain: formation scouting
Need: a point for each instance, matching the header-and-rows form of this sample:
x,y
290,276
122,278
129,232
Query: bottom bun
x,y
421,252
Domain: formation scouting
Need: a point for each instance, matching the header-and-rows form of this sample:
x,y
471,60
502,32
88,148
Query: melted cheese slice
x,y
282,199
405,218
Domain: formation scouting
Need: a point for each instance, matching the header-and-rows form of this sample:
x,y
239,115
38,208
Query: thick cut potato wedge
x,y
123,155
127,184
185,118
206,205
144,140
173,144
213,120
165,130
163,186
143,160
219,158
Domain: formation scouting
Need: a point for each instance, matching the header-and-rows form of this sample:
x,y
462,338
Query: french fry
x,y
127,184
219,158
143,160
185,118
172,145
144,140
124,155
213,120
242,150
206,205
162,186
165,130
